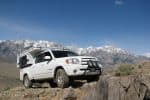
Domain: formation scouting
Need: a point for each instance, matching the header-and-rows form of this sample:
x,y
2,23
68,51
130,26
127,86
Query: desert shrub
x,y
124,69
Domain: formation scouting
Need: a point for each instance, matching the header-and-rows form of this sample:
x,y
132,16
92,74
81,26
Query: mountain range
x,y
107,55
147,55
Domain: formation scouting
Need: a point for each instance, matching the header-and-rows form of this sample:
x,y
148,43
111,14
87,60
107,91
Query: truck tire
x,y
26,82
62,80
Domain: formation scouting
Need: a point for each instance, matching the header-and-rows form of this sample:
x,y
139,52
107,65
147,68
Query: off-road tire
x,y
26,82
61,78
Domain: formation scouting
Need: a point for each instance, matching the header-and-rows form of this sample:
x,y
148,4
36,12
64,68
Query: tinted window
x,y
59,54
23,62
40,58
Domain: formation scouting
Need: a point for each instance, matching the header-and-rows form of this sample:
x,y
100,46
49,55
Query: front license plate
x,y
92,70
93,73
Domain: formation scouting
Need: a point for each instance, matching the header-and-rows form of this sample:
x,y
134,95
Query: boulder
x,y
135,87
69,94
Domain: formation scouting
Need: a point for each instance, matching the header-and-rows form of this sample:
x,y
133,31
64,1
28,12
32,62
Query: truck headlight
x,y
72,61
100,65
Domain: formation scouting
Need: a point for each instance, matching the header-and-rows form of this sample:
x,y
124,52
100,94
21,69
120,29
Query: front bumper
x,y
92,72
82,70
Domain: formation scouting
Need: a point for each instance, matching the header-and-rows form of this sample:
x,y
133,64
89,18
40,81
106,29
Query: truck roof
x,y
35,50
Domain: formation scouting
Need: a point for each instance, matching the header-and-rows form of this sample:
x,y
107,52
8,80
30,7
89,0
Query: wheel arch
x,y
26,74
58,67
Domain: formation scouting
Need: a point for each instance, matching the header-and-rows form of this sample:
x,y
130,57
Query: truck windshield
x,y
60,54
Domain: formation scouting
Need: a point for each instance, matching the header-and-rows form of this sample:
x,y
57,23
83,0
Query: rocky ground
x,y
47,93
127,87
109,87
133,87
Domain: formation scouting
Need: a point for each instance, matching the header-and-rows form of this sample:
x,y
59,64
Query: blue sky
x,y
123,23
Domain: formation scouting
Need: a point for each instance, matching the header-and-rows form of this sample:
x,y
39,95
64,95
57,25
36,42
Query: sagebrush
x,y
125,69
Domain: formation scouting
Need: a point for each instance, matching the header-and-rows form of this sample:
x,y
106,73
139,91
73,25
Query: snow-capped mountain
x,y
107,55
107,48
10,48
147,55
32,43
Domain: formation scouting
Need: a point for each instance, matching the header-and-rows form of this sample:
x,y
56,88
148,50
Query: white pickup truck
x,y
56,66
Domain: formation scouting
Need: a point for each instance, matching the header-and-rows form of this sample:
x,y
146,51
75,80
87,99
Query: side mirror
x,y
47,58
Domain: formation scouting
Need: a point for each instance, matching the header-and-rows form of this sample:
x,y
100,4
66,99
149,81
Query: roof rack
x,y
31,49
59,48
43,48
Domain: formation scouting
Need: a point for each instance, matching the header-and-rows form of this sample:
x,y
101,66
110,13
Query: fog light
x,y
75,71
90,63
94,64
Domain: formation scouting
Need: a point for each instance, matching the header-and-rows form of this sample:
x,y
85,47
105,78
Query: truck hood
x,y
78,57
82,60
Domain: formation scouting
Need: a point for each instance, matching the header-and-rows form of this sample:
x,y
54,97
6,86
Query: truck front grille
x,y
84,61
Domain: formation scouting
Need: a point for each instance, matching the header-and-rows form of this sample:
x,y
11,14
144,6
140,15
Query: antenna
x,y
19,45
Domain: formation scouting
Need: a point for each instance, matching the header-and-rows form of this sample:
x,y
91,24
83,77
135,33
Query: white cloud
x,y
119,2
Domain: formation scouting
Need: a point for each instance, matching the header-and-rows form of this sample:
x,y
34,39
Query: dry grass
x,y
128,69
125,69
9,70
9,75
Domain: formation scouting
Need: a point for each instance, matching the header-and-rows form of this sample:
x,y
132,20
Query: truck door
x,y
42,67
